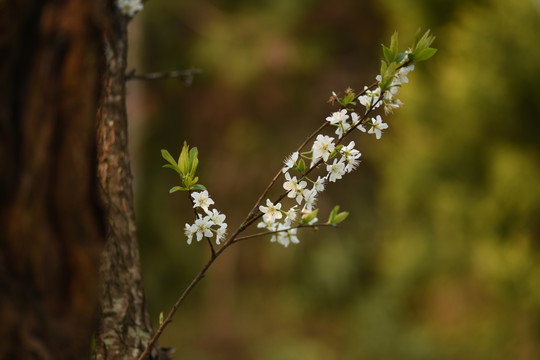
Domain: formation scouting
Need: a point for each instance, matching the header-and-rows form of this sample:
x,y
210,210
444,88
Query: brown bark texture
x,y
52,225
125,326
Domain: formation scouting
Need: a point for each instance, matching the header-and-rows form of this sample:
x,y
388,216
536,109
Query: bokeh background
x,y
439,258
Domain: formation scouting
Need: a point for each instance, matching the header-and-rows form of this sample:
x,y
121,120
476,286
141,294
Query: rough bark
x,y
51,223
125,327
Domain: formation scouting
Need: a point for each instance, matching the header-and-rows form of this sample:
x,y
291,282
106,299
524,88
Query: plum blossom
x,y
322,147
220,233
318,185
290,161
291,214
339,119
202,227
336,170
129,7
369,98
351,156
355,120
286,235
377,126
189,233
202,199
310,197
271,211
217,218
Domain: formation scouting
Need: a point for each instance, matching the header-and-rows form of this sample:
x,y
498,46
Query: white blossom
x,y
318,185
285,237
189,233
291,214
220,233
403,72
377,126
339,117
290,161
310,197
202,228
129,7
270,225
217,218
298,191
322,147
389,106
355,120
369,98
202,200
336,170
271,211
291,183
351,156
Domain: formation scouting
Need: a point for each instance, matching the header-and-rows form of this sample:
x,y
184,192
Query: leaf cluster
x,y
336,217
186,167
394,60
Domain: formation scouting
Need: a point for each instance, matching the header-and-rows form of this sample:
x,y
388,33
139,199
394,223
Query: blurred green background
x,y
439,258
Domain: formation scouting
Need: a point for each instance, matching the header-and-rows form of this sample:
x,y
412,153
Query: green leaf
x,y
192,183
425,54
348,98
161,318
186,179
193,153
394,44
340,217
333,214
309,217
174,167
165,154
176,188
401,57
301,167
198,187
388,55
194,165
421,43
383,68
183,161
388,76
416,39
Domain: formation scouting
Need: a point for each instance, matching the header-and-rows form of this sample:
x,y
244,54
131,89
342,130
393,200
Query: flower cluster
x,y
284,232
328,155
207,224
337,159
129,7
304,191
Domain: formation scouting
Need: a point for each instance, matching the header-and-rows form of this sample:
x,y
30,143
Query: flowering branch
x,y
280,223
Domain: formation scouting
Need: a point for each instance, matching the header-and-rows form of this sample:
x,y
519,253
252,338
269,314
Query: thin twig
x,y
169,318
283,230
186,75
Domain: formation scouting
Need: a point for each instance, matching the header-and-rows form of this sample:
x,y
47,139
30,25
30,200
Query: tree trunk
x,y
125,326
51,223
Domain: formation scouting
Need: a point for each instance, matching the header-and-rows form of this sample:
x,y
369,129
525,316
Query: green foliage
x,y
309,217
186,167
336,217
